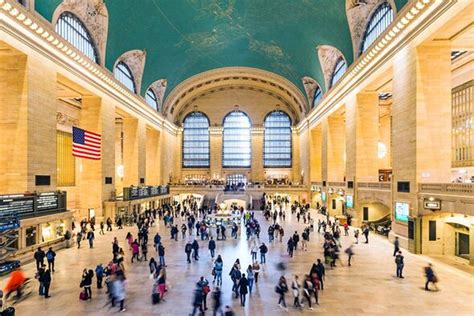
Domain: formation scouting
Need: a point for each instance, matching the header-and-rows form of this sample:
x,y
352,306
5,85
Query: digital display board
x,y
402,211
27,205
133,193
349,201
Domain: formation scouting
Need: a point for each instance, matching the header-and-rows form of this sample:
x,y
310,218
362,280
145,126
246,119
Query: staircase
x,y
230,195
9,224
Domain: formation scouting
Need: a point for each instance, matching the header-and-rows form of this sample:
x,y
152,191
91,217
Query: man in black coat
x,y
45,279
39,258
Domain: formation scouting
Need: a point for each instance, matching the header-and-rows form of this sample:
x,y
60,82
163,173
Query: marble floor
x,y
368,287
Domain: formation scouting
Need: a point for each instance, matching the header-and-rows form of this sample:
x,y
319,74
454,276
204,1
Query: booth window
x,y
66,163
123,74
196,144
30,236
378,22
277,140
236,141
150,98
339,70
71,28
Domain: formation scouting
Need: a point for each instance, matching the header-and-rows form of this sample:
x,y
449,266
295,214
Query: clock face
x,y
382,150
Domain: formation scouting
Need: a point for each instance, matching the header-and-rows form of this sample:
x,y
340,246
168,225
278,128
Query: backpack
x,y
49,255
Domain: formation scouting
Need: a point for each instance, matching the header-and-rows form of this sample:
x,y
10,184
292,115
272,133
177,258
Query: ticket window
x,y
31,236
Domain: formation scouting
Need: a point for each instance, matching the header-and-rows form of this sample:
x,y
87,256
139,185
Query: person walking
x,y
39,258
212,247
321,272
263,253
350,252
366,234
79,239
162,282
256,271
281,289
250,278
144,251
308,290
101,231
99,273
295,286
396,246
118,292
90,237
197,301
356,236
243,289
203,283
291,246
430,277
188,249
46,281
399,261
50,256
216,297
135,250
218,266
195,247
254,251
86,282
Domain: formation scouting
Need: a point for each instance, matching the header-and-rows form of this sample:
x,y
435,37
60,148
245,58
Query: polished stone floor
x,y
367,287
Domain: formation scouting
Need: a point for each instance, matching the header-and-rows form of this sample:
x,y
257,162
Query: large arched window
x,y
196,152
277,140
74,31
150,98
378,22
236,145
123,74
318,95
339,70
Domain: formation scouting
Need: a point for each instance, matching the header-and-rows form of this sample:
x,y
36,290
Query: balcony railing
x,y
384,186
447,188
337,184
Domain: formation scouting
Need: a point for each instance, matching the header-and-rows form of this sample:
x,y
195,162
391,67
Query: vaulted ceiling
x,y
185,37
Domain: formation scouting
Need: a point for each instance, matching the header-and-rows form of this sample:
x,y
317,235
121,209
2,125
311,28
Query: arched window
x,y
123,74
74,31
196,152
277,140
378,22
318,95
236,143
339,70
150,98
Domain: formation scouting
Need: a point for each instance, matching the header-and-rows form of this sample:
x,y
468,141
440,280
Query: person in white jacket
x,y
295,287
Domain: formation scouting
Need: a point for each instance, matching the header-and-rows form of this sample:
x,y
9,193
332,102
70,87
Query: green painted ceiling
x,y
185,37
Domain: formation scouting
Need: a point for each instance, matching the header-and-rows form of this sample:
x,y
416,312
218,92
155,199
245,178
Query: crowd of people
x,y
243,273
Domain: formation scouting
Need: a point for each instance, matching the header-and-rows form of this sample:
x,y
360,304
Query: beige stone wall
x,y
315,154
336,148
13,122
152,157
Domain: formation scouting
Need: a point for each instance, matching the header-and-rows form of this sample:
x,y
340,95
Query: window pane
x,y
277,143
196,150
150,98
318,95
73,30
123,74
237,142
379,21
339,70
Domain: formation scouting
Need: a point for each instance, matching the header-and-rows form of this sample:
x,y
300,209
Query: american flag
x,y
85,144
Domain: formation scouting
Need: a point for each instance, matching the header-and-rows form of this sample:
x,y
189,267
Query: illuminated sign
x,y
402,211
431,204
349,201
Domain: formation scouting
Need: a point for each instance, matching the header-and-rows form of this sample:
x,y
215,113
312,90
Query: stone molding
x,y
310,86
328,56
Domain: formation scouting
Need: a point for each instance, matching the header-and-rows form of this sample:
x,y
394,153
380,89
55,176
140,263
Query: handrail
x,y
447,188
385,186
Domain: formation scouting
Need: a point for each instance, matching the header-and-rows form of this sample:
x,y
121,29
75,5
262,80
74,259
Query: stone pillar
x,y
362,135
216,151
421,123
169,160
324,158
301,169
134,155
98,118
471,244
335,149
152,157
257,170
315,154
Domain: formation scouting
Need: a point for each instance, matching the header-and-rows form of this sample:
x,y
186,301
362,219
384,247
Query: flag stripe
x,y
86,144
